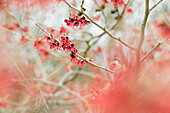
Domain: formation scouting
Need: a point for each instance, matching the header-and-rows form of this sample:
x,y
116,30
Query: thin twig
x,y
155,5
105,19
151,51
82,5
96,65
65,89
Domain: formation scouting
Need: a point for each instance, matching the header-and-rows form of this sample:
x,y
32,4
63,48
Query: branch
x,y
142,35
96,65
103,28
155,5
151,51
82,2
65,89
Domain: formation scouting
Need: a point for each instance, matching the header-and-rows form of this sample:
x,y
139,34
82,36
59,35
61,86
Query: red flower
x,y
128,10
63,30
9,27
117,3
23,39
162,29
52,31
16,25
115,63
76,21
72,56
39,43
44,52
59,1
25,29
3,104
100,50
96,18
82,63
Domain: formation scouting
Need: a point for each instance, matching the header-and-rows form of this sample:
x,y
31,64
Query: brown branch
x,y
151,51
82,2
103,28
96,65
142,36
155,5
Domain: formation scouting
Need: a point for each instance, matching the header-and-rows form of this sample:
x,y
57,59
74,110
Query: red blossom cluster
x,y
3,104
23,39
39,43
76,21
59,1
16,26
117,3
96,18
129,10
105,2
64,44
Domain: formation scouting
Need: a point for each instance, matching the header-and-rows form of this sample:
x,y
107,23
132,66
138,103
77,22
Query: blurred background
x,y
37,79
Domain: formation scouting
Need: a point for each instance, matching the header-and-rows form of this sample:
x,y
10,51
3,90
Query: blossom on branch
x,y
117,3
77,21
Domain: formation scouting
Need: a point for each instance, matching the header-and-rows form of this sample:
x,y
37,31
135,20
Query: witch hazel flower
x,y
76,21
23,39
117,3
12,27
65,44
59,1
38,43
25,29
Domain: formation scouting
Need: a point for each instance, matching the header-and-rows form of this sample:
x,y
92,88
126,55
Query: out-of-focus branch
x,y
151,51
142,35
82,2
120,16
64,89
105,19
155,5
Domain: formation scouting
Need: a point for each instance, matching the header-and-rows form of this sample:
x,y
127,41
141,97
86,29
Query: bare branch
x,y
151,51
82,2
155,5
142,35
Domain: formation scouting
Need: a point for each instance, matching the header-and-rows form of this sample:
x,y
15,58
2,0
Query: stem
x,y
155,5
142,36
96,65
103,28
151,51
82,5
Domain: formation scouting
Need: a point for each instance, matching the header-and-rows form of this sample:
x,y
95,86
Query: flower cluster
x,y
64,44
76,21
12,27
59,1
23,39
16,26
117,3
